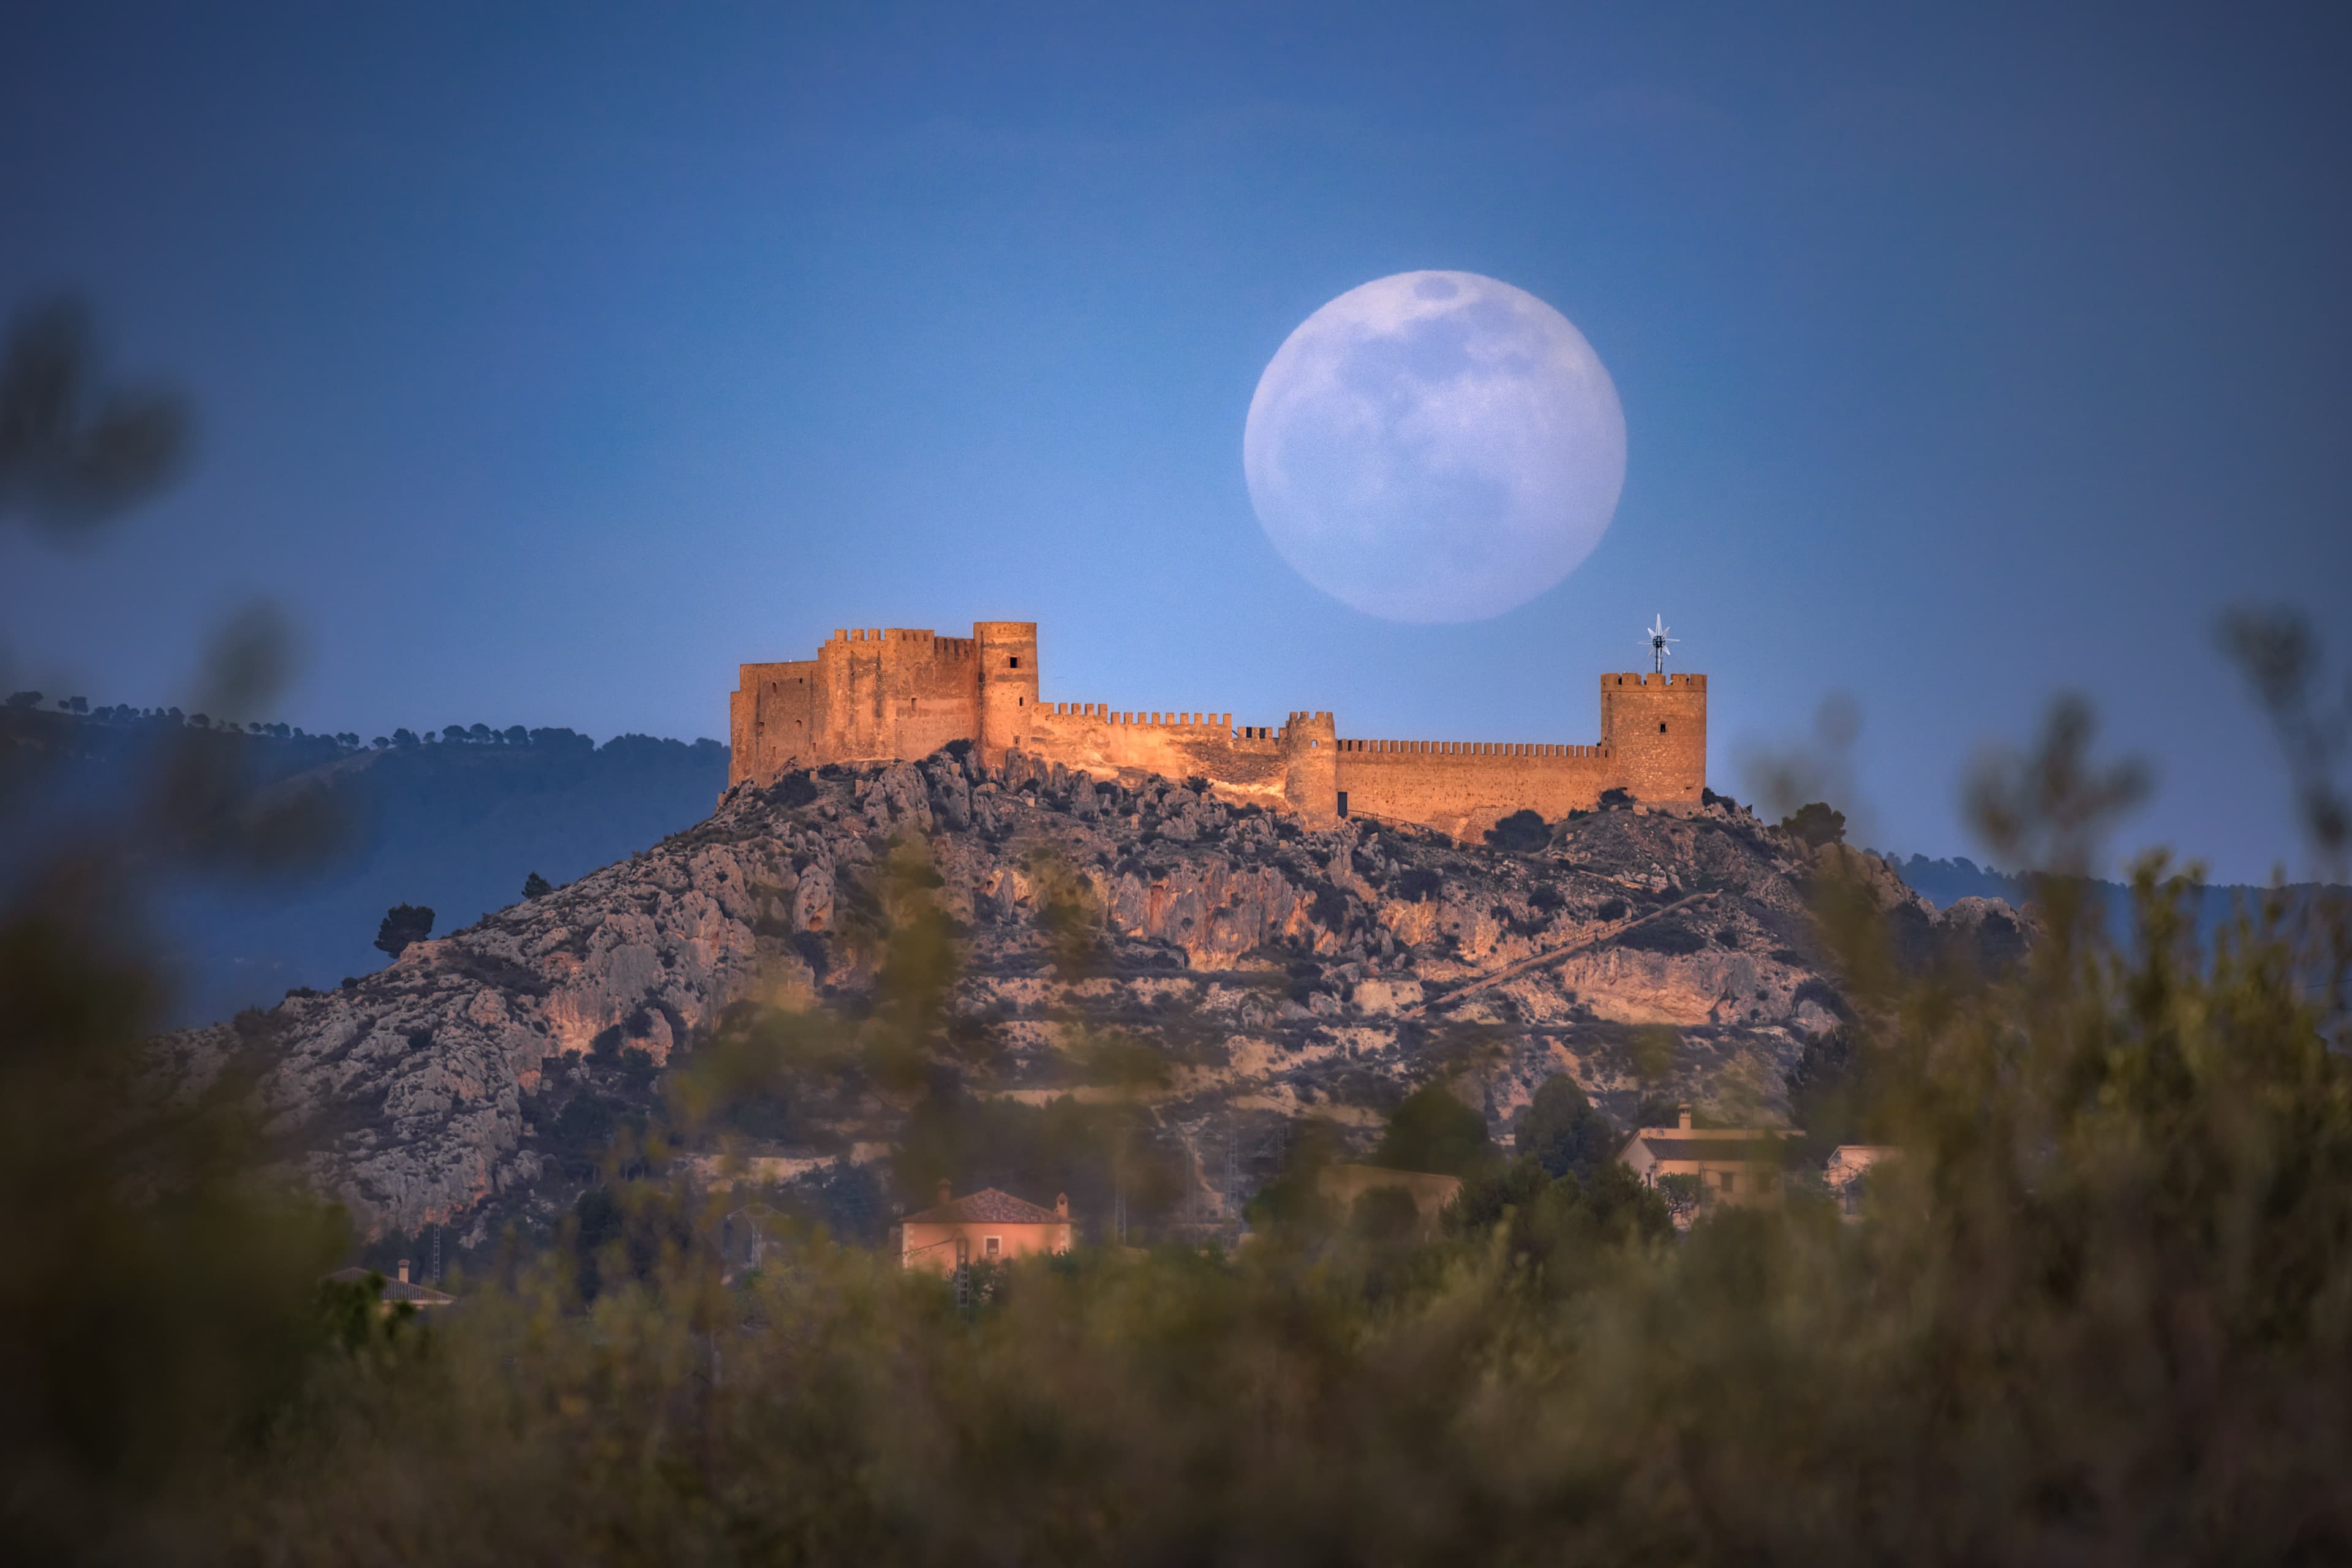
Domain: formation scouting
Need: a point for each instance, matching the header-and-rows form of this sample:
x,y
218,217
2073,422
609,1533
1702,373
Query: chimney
x,y
1061,1204
1682,1118
403,1272
946,1192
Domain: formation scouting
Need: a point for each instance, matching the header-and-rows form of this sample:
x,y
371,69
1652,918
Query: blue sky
x,y
551,362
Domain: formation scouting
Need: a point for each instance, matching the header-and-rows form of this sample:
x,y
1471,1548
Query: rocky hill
x,y
1270,972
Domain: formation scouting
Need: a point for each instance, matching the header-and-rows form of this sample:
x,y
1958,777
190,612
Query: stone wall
x,y
1465,787
901,694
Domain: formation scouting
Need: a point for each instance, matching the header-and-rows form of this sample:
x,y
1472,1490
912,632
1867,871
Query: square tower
x,y
1656,727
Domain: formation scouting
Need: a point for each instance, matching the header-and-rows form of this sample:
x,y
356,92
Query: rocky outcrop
x,y
1283,971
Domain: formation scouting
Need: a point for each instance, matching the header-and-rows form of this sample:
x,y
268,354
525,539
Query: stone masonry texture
x,y
893,694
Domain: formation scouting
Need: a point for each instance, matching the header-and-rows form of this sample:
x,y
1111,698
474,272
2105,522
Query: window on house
x,y
1731,1181
995,1245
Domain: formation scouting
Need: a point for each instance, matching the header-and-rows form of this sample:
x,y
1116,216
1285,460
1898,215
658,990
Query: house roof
x,y
1715,1150
987,1207
396,1290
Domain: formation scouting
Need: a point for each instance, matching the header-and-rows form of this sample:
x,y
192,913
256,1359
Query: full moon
x,y
1436,447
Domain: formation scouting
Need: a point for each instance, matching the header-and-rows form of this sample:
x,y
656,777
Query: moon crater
x,y
1436,447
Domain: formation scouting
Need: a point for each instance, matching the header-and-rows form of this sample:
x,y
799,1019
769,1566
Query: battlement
x,y
1522,751
1658,681
1101,714
886,693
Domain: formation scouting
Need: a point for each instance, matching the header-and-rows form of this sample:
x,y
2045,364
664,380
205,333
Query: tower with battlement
x,y
895,694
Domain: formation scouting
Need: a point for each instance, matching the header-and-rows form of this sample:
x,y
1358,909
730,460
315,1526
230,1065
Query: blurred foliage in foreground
x,y
2100,1308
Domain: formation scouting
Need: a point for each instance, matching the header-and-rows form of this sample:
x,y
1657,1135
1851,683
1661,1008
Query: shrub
x,y
1417,884
1521,833
794,789
1433,1130
1611,909
403,926
1562,1132
1670,937
1816,825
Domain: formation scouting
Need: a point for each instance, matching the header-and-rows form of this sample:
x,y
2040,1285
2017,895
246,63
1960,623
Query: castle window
x,y
1013,663
1662,726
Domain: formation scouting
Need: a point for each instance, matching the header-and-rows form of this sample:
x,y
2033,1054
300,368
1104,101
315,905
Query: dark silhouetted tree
x,y
536,886
1433,1130
1564,1132
1521,833
403,925
1817,825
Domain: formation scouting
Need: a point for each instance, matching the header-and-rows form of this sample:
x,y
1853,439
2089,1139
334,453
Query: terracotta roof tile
x,y
986,1206
396,1290
1717,1152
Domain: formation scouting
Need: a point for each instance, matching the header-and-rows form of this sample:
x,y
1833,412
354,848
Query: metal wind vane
x,y
1660,651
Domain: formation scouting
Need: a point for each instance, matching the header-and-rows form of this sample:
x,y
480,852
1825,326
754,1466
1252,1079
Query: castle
x,y
897,694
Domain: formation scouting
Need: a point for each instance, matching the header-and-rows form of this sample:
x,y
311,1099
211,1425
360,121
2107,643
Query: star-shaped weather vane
x,y
1660,651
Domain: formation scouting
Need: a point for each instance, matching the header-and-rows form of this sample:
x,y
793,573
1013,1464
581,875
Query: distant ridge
x,y
1947,881
455,824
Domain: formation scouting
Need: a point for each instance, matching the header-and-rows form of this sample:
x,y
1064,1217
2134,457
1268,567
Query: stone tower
x,y
1008,685
1310,753
1656,726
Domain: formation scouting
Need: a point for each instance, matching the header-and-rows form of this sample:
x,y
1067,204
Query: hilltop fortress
x,y
897,694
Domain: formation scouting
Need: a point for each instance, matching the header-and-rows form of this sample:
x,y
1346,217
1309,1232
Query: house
x,y
1846,1173
1430,1192
979,1228
396,1293
1740,1166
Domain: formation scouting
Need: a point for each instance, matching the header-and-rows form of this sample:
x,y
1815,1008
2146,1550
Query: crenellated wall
x,y
1466,785
877,695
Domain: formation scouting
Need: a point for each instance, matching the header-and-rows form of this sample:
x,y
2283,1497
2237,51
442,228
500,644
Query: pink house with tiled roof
x,y
1740,1166
980,1227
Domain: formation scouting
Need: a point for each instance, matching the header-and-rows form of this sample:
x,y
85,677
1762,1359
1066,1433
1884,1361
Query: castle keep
x,y
896,695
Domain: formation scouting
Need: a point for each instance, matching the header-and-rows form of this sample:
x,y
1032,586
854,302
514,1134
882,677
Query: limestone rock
x,y
1283,970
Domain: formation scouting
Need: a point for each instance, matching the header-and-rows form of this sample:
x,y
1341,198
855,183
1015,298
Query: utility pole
x,y
1232,1215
